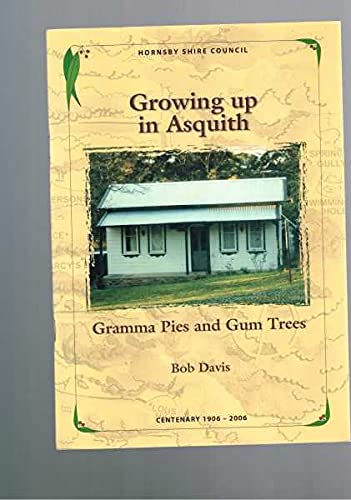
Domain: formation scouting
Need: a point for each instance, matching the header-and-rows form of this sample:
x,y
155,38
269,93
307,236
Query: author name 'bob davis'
x,y
193,51
172,326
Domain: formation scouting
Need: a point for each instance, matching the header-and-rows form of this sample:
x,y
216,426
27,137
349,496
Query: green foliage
x,y
71,65
323,419
80,426
160,166
314,45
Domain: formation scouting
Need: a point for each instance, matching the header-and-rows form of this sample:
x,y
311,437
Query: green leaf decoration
x,y
86,429
314,45
80,426
75,417
72,75
66,63
323,419
71,65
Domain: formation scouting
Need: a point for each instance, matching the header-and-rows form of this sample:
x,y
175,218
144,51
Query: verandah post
x,y
101,253
287,246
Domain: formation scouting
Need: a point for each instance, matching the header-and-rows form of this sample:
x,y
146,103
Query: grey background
x,y
29,465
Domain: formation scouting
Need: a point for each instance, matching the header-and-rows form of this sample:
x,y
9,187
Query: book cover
x,y
198,235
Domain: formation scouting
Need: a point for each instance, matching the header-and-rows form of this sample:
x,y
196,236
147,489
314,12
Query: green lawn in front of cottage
x,y
266,287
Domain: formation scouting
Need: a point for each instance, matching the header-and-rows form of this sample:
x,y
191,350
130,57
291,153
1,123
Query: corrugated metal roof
x,y
188,215
162,194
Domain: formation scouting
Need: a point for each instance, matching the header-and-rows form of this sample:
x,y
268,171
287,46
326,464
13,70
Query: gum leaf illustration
x,y
314,45
71,65
323,419
79,425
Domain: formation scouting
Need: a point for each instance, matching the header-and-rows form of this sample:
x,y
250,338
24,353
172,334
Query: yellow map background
x,y
122,382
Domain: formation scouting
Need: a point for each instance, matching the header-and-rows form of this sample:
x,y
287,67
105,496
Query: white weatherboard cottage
x,y
175,228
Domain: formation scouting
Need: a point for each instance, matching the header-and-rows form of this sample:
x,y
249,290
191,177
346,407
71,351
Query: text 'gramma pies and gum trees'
x,y
215,105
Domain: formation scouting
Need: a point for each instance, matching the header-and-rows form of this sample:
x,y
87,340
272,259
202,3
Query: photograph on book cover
x,y
198,235
166,237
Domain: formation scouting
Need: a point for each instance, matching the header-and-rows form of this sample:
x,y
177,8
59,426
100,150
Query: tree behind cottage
x,y
162,166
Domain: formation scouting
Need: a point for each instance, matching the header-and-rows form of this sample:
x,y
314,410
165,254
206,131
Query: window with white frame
x,y
130,240
256,237
157,239
229,237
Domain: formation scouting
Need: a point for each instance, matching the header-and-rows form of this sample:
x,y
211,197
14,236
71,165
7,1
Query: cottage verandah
x,y
179,228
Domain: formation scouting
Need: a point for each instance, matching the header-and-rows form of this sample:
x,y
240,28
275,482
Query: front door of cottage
x,y
200,248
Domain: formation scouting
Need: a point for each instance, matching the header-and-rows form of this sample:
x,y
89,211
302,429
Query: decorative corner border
x,y
71,66
314,45
323,419
79,425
